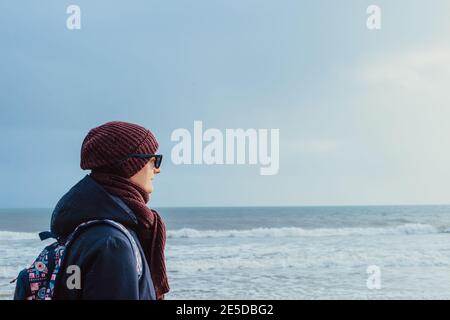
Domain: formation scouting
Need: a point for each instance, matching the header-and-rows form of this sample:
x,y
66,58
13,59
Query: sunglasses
x,y
158,158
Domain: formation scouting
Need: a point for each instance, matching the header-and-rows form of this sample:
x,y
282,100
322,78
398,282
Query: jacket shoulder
x,y
106,262
100,240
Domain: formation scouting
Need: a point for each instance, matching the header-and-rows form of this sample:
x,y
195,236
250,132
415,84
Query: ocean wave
x,y
12,235
406,229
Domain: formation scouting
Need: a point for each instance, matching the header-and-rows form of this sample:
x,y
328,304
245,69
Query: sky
x,y
362,114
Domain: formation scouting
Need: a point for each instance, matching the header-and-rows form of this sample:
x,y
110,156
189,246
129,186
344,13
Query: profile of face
x,y
144,178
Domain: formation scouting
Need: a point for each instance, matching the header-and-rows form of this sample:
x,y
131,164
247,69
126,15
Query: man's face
x,y
144,178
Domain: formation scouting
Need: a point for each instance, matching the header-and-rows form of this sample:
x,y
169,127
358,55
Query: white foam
x,y
11,235
406,229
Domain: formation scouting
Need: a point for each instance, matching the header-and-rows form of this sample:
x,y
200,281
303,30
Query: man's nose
x,y
156,170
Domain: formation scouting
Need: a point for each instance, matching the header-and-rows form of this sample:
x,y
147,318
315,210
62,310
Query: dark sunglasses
x,y
158,158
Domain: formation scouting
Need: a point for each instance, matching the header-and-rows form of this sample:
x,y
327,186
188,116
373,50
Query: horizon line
x,y
274,206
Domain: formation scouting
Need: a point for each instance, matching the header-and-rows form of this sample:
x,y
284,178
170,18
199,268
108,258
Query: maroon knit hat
x,y
105,148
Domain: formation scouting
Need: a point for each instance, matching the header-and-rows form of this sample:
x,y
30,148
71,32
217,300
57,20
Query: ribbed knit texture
x,y
106,146
103,151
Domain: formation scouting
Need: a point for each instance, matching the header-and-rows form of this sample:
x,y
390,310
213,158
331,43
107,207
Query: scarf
x,y
151,229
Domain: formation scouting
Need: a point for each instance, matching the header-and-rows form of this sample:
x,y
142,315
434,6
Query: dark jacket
x,y
102,252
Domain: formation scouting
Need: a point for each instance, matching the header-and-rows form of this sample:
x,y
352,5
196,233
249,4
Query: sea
x,y
342,252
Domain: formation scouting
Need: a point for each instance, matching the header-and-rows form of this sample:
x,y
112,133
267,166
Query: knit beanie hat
x,y
106,147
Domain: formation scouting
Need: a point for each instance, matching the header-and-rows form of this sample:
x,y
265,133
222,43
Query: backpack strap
x,y
46,235
116,225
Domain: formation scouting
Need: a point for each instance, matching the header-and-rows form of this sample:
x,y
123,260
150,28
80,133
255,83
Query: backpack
x,y
38,281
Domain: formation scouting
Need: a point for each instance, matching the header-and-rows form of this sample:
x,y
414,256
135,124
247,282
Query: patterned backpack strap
x,y
137,253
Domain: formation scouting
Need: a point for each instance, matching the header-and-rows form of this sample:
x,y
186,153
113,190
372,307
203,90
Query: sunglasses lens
x,y
158,161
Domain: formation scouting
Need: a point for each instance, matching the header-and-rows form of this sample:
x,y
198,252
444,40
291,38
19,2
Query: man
x,y
123,162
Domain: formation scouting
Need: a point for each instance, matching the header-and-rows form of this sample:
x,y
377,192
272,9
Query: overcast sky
x,y
363,115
